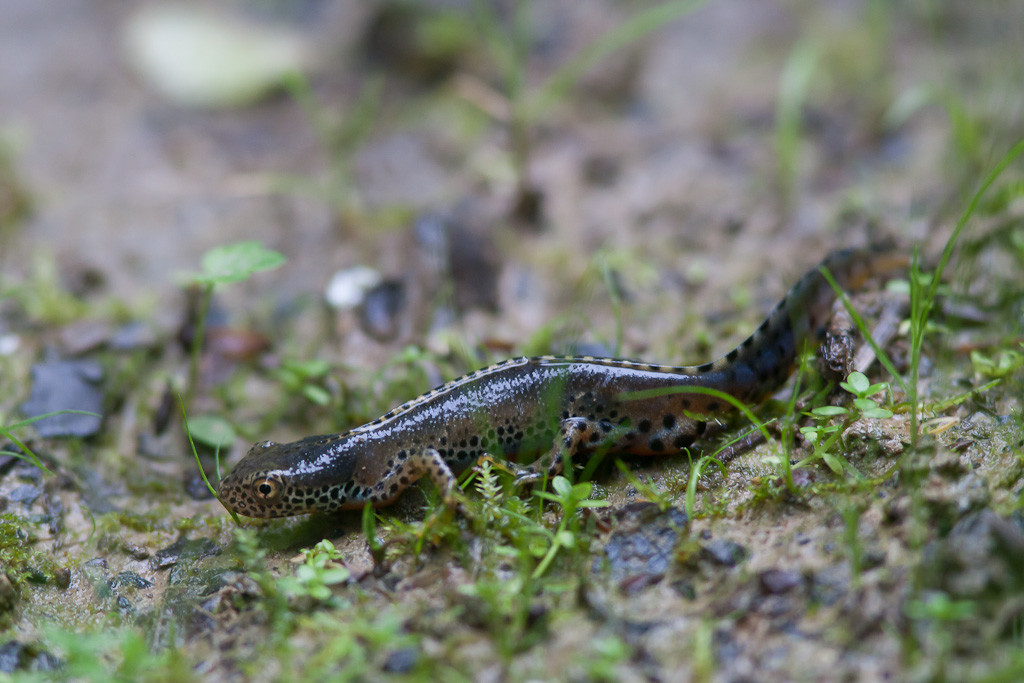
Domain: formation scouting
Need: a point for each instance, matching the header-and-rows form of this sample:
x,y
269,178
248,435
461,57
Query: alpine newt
x,y
552,406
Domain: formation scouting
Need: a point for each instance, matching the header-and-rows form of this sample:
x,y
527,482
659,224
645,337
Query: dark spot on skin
x,y
732,355
644,425
595,437
714,406
685,403
656,445
474,441
683,441
669,421
630,436
707,367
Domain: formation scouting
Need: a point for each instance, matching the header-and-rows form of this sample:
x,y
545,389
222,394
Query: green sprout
x,y
221,265
826,433
571,498
195,454
316,575
300,377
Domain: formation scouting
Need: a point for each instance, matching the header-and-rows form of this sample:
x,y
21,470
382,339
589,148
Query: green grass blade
x,y
195,454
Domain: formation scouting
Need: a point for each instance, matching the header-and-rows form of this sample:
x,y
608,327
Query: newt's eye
x,y
267,489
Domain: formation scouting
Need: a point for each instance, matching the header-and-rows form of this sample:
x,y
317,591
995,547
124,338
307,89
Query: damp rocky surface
x,y
454,183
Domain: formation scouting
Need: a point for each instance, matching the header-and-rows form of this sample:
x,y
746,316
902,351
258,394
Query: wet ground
x,y
437,212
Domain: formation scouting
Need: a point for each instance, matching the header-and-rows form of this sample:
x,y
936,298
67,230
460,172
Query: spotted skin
x,y
548,406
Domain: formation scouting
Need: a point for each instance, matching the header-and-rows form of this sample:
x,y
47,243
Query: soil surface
x,y
455,183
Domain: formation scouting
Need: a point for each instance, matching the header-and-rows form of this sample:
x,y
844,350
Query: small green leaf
x,y
308,369
581,491
562,486
211,430
878,413
316,394
833,463
857,383
829,411
876,388
810,433
941,607
864,404
235,262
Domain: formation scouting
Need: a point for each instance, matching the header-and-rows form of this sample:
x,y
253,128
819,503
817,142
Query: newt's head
x,y
283,479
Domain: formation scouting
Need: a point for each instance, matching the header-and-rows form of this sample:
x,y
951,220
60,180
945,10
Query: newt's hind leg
x,y
575,435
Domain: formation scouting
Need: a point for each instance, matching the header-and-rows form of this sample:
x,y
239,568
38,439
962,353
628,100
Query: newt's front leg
x,y
416,464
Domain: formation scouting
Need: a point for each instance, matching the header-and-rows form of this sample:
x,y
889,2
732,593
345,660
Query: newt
x,y
557,407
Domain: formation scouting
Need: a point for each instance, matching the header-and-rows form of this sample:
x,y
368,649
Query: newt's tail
x,y
761,364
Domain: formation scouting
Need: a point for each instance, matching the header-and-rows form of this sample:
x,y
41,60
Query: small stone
x,y
402,661
348,287
26,493
65,385
779,581
381,308
724,552
134,335
185,549
83,336
62,578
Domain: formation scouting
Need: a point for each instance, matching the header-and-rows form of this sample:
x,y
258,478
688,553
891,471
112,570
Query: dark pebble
x,y
26,493
62,578
724,552
130,579
65,385
475,263
379,313
402,661
134,335
18,656
185,549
